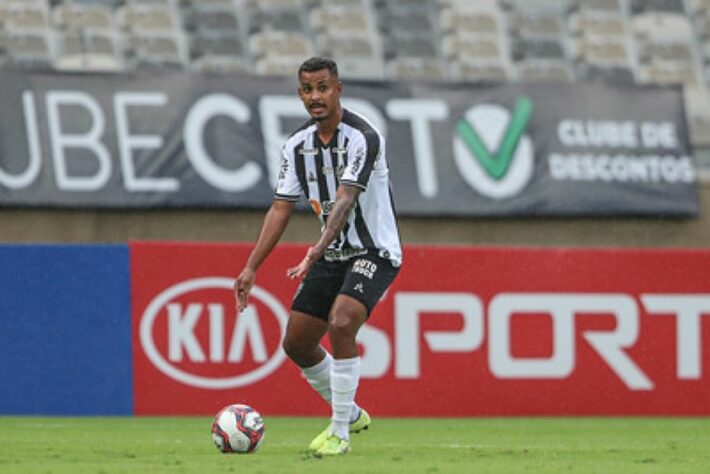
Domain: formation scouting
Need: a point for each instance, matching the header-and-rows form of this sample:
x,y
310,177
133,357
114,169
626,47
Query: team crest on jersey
x,y
312,177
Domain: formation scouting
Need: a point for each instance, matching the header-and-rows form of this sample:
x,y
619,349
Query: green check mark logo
x,y
497,163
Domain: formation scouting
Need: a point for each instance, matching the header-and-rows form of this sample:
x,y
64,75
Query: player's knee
x,y
341,325
293,349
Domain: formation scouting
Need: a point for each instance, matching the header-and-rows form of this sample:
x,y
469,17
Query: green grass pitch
x,y
435,445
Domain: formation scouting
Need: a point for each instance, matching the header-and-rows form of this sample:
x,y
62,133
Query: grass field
x,y
528,445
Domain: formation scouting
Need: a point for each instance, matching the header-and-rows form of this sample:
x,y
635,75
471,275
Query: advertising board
x,y
462,332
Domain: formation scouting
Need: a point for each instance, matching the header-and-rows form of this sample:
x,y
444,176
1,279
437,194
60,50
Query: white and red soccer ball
x,y
238,429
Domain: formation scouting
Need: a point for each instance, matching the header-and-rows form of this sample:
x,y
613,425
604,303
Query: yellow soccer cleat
x,y
333,446
362,423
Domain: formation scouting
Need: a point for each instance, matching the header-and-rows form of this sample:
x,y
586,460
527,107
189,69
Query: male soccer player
x,y
337,160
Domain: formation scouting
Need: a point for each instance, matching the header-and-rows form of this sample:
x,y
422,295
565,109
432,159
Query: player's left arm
x,y
345,201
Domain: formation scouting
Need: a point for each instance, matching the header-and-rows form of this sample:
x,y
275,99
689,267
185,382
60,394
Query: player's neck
x,y
326,128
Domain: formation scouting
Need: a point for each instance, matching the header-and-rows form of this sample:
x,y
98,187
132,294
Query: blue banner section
x,y
65,330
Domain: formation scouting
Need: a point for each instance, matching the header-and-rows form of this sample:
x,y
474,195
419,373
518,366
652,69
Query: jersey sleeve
x,y
363,151
288,188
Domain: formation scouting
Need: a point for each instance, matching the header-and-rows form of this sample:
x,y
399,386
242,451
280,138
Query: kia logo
x,y
186,343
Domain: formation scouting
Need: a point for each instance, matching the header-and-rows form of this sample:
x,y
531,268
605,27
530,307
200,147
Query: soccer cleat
x,y
362,423
333,446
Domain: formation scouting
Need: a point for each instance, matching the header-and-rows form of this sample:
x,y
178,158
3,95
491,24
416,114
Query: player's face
x,y
320,93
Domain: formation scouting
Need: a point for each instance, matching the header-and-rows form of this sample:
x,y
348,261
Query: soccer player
x,y
337,160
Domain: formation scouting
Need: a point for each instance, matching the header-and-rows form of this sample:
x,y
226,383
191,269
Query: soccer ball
x,y
238,429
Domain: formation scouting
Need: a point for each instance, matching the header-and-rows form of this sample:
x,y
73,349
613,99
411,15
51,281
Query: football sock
x,y
344,377
318,376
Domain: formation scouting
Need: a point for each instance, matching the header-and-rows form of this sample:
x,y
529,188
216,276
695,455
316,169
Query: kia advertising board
x,y
462,332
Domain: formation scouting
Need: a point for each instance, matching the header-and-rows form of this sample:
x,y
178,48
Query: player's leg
x,y
302,340
346,318
302,344
365,282
308,324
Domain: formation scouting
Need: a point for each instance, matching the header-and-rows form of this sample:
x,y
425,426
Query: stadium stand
x,y
643,41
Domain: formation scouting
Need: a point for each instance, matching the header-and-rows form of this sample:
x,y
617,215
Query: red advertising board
x,y
464,331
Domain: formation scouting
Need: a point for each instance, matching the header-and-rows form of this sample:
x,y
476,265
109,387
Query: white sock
x,y
318,376
344,378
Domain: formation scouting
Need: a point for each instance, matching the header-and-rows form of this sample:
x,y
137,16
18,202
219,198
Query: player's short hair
x,y
318,63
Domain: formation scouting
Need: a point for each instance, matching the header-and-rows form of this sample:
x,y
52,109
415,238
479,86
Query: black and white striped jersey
x,y
354,156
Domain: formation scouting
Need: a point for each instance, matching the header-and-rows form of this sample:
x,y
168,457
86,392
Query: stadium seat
x,y
216,43
603,52
106,3
406,20
357,4
353,45
276,20
402,5
530,24
474,47
29,48
702,26
338,19
670,6
464,4
24,16
678,52
277,65
538,48
363,68
140,18
698,6
697,106
156,48
414,45
550,6
35,3
268,5
73,17
280,43
660,72
473,70
480,20
88,50
596,23
409,68
221,64
612,6
536,70
163,3
211,18
662,27
225,4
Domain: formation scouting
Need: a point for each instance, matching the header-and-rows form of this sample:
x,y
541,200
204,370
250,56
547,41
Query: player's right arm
x,y
272,229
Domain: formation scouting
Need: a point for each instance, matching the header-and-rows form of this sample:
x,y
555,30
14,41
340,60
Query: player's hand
x,y
242,287
300,270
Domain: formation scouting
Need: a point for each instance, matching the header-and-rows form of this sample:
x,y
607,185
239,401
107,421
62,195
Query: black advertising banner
x,y
182,140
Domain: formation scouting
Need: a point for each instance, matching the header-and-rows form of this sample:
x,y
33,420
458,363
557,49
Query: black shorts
x,y
365,278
